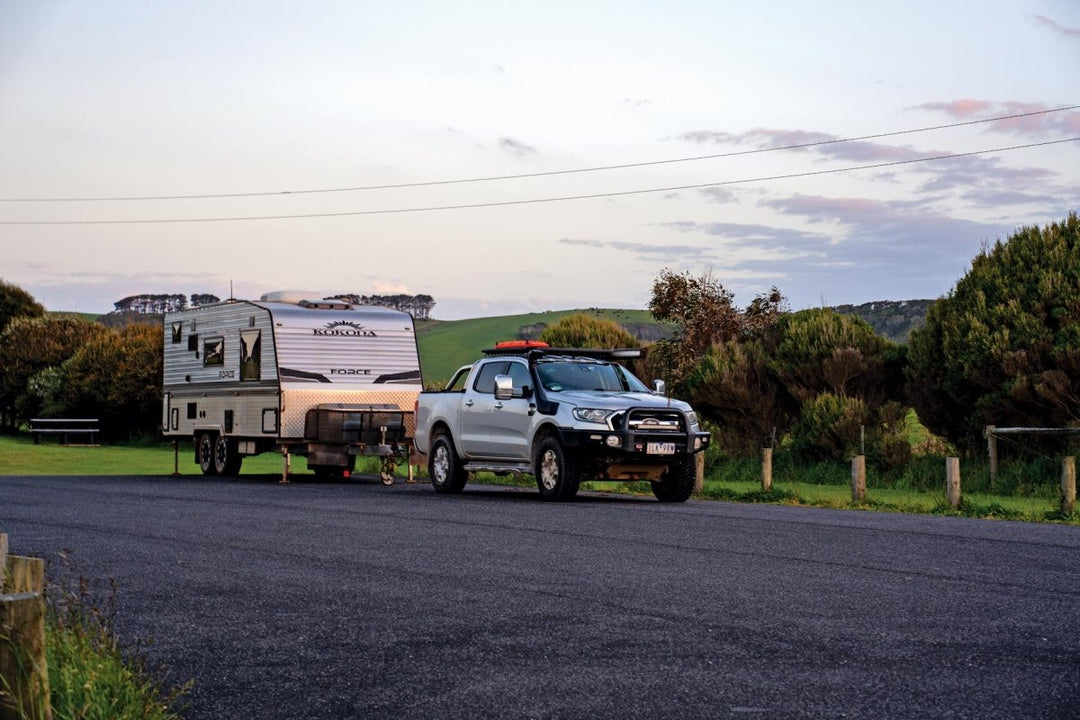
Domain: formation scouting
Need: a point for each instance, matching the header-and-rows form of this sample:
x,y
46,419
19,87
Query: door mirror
x,y
659,387
504,387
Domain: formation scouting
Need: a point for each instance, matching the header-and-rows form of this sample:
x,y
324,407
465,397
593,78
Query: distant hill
x,y
446,345
892,319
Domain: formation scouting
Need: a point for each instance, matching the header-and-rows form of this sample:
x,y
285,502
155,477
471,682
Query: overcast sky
x,y
266,102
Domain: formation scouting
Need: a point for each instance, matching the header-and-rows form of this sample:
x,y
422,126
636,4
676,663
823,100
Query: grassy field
x,y
20,456
446,345
1039,503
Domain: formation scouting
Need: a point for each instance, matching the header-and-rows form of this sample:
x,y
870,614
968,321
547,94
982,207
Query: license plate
x,y
660,449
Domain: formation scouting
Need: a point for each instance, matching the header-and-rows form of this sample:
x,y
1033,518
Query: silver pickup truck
x,y
562,415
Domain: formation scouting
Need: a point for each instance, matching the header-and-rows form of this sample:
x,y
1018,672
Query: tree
x,y
16,302
824,378
116,377
1003,347
702,308
585,331
735,387
28,346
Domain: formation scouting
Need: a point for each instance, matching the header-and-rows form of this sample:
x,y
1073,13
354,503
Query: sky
x,y
542,156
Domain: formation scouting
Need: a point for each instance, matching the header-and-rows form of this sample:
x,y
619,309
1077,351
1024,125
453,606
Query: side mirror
x,y
504,387
659,387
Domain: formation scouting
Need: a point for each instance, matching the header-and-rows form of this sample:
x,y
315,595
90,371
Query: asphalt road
x,y
353,600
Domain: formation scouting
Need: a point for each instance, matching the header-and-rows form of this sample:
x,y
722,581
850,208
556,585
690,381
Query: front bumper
x,y
641,446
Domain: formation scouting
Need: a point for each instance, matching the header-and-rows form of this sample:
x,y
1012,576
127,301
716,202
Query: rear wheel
x,y
444,466
227,458
204,452
557,476
677,485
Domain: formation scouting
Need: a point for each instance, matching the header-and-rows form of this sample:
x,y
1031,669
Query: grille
x,y
655,421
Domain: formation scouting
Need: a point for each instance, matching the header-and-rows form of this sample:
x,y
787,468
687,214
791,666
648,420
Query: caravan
x,y
319,378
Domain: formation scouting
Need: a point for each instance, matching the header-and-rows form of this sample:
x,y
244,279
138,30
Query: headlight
x,y
692,417
592,415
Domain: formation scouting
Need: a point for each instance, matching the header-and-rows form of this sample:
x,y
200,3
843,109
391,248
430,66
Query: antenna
x,y
231,296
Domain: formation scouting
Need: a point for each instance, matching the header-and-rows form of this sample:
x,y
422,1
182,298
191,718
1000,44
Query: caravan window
x,y
250,354
177,332
214,351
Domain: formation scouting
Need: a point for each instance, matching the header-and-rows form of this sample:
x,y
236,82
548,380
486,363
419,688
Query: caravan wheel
x,y
227,459
204,452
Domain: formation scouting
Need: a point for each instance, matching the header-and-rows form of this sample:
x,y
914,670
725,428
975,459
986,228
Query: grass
x,y
91,677
20,456
1023,491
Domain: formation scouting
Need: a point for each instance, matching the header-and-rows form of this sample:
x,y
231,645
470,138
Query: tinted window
x,y
250,354
520,375
485,381
214,351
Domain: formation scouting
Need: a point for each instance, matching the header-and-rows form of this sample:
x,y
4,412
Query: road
x,y
354,600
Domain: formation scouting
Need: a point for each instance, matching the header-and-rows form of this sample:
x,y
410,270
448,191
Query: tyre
x,y
444,466
677,484
227,459
557,477
204,453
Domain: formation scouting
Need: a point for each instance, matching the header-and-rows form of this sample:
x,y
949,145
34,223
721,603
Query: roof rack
x,y
542,350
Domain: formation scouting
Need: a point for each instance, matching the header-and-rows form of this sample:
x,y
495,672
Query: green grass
x,y
20,456
91,677
446,345
1023,491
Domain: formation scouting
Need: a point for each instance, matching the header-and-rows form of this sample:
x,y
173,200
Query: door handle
x,y
498,406
468,403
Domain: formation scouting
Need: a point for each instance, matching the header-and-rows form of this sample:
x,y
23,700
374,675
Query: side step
x,y
499,468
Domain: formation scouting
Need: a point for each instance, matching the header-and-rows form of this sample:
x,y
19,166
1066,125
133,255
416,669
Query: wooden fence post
x,y
1068,484
699,472
766,469
858,478
991,449
952,481
24,691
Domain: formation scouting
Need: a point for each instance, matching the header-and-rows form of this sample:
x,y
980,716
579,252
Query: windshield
x,y
577,375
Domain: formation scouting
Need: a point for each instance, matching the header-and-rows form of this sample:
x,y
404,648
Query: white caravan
x,y
320,378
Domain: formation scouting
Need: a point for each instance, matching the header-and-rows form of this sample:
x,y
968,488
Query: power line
x,y
599,168
532,201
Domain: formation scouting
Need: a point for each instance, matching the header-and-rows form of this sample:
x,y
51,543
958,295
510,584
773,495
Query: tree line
x,y
1001,348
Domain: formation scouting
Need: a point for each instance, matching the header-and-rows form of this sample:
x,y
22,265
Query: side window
x,y
520,374
214,351
250,354
485,381
177,332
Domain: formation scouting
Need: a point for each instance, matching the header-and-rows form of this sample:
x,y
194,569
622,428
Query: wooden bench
x,y
84,429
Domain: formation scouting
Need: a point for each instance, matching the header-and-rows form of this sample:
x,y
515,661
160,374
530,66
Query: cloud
x,y
719,194
1071,33
516,147
764,138
581,242
987,180
1066,122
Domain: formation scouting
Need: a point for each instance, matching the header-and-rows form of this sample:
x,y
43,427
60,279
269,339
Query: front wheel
x,y
444,466
557,476
677,485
